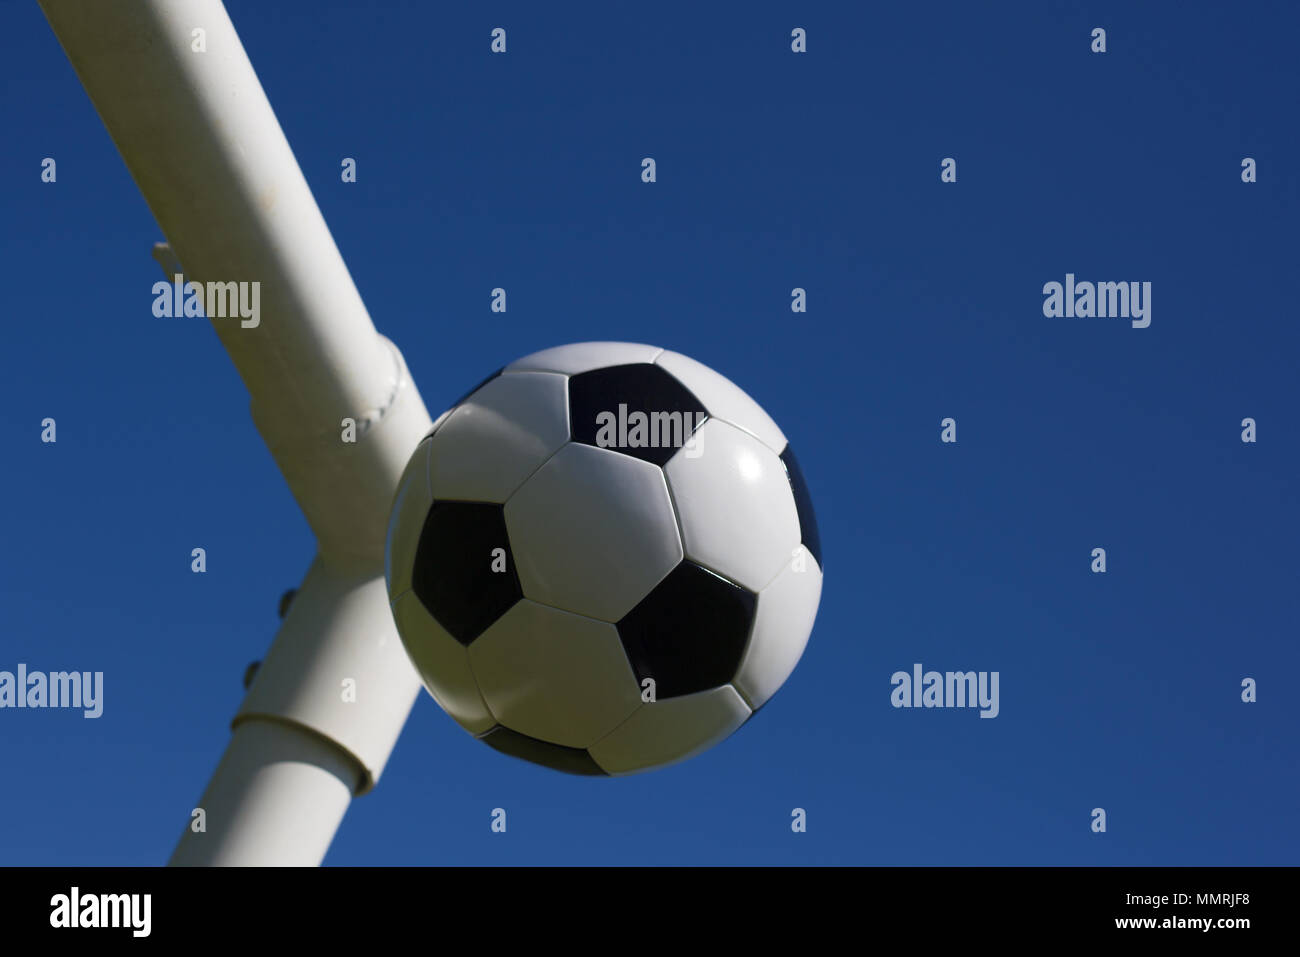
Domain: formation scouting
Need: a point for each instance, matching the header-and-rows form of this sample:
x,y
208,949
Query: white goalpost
x,y
179,97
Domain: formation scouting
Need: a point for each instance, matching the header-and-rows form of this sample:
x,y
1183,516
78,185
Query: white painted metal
x,y
276,799
201,141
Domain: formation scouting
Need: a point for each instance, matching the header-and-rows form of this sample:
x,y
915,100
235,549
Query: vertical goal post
x,y
173,86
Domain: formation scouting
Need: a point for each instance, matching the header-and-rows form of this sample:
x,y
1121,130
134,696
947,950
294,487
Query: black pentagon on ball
x,y
803,505
689,634
557,756
457,574
671,411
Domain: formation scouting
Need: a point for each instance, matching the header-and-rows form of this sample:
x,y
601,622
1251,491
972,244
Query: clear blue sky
x,y
925,300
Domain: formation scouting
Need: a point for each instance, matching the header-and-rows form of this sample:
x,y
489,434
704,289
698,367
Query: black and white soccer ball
x,y
604,558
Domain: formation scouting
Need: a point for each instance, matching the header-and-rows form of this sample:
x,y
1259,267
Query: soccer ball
x,y
603,559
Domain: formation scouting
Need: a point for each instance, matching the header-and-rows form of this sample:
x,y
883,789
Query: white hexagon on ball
x,y
582,357
443,664
738,515
498,437
593,531
553,675
782,624
661,733
723,398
